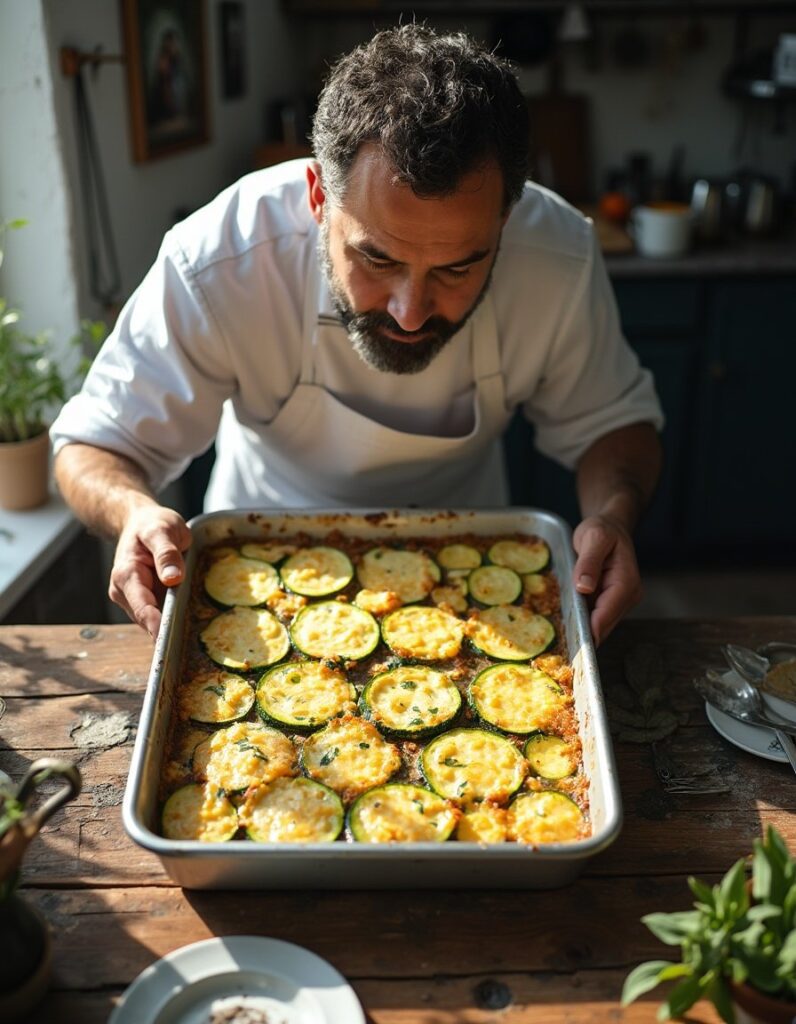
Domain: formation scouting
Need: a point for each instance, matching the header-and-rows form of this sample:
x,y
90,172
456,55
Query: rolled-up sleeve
x,y
592,382
155,391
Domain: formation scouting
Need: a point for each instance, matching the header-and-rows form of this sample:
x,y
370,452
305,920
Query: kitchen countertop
x,y
748,256
413,957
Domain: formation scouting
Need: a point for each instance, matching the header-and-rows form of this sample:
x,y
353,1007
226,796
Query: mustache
x,y
434,326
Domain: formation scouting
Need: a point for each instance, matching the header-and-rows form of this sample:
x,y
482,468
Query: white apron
x,y
319,453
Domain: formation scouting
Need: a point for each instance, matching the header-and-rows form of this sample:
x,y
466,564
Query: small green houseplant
x,y
738,943
32,387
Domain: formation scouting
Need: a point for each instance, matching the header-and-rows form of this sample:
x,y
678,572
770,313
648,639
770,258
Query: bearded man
x,y
357,329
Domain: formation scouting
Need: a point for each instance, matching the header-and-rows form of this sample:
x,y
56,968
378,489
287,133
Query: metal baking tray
x,y
343,865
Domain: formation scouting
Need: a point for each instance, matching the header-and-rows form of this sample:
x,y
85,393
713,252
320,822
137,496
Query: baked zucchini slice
x,y
292,811
422,632
237,581
199,812
215,698
317,572
482,823
242,755
545,817
453,594
411,575
335,629
521,556
303,695
350,755
245,638
516,698
472,764
493,584
510,633
550,757
401,813
270,552
410,702
459,556
534,584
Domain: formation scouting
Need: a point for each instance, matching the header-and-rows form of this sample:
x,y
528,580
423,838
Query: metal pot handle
x,y
39,772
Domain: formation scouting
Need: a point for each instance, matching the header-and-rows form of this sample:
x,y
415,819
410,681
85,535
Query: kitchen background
x,y
631,101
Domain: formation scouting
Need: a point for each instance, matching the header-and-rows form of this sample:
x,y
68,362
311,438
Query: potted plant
x,y
24,935
32,386
738,943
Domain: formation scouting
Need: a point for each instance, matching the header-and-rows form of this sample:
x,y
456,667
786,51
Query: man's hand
x,y
606,569
148,559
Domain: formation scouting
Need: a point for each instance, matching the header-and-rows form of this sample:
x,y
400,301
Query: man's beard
x,y
365,329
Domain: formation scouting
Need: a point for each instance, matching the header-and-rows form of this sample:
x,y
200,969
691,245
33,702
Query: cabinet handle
x,y
717,370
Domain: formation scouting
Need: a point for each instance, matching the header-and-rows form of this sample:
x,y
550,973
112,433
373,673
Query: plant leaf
x,y
644,978
683,996
673,928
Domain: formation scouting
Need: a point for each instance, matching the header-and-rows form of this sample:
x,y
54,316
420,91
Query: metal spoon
x,y
740,700
747,663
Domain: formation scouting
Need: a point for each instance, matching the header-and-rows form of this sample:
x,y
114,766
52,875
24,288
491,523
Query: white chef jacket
x,y
233,331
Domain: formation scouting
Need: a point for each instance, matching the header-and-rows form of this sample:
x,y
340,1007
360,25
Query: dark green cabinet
x,y
723,353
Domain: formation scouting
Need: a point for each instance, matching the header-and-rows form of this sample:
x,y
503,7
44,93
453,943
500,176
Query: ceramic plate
x,y
289,984
751,738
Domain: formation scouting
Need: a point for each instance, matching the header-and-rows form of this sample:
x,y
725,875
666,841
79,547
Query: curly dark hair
x,y
439,106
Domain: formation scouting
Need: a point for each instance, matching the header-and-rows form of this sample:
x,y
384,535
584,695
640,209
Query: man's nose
x,y
410,304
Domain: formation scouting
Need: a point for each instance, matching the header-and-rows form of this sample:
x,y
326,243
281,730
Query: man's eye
x,y
457,271
375,264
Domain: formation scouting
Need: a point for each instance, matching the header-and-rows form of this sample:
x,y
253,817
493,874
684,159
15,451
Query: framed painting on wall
x,y
165,46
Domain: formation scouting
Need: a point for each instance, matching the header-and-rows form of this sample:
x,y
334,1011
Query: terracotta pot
x,y
24,472
754,1007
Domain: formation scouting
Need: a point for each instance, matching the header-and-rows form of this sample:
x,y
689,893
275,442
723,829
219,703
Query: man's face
x,y
406,273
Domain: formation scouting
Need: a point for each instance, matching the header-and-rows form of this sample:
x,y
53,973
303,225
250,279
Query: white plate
x,y
293,985
753,739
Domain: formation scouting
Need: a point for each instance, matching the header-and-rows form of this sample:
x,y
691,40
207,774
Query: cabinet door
x,y
744,483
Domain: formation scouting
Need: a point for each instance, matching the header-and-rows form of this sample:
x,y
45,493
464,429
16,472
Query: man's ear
x,y
315,191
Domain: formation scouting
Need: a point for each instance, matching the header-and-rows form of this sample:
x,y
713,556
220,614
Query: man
x,y
363,326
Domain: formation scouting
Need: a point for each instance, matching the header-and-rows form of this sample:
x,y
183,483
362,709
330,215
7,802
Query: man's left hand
x,y
606,569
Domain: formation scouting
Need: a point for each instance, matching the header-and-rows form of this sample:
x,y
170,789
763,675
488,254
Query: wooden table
x,y
412,957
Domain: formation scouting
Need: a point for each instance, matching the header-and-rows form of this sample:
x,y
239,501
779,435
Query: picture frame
x,y
165,44
232,41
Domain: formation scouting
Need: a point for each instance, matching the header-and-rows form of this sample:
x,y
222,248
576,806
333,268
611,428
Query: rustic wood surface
x,y
413,957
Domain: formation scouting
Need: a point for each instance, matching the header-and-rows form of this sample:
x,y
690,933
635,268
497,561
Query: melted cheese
x,y
482,823
403,814
199,812
317,571
451,598
411,699
304,694
243,755
471,764
350,756
517,698
544,817
378,602
291,811
550,757
410,574
333,629
508,632
215,697
233,580
421,632
268,552
245,638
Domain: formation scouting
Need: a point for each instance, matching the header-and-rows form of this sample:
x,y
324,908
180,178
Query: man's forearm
x,y
617,475
102,488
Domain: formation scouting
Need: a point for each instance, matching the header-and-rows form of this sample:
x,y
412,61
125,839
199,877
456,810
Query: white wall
x,y
38,272
46,270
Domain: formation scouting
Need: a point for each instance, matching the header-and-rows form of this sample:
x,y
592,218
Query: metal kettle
x,y
760,208
707,207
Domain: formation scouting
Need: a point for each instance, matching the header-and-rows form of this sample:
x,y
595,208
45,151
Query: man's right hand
x,y
148,559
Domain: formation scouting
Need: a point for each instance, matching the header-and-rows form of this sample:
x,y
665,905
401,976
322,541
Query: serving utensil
x,y
740,700
755,666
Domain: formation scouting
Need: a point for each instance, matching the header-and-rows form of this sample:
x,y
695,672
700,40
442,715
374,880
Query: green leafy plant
x,y
31,382
729,936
